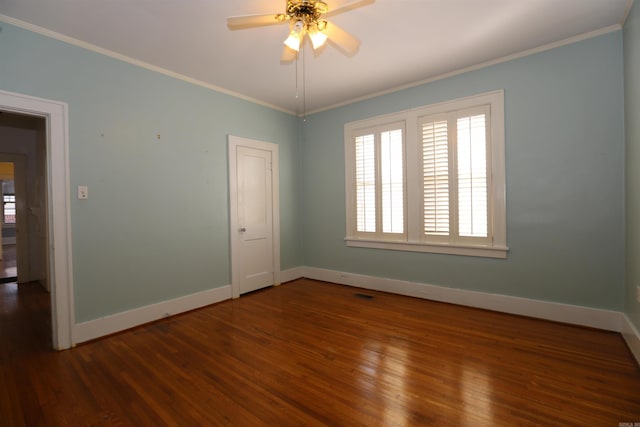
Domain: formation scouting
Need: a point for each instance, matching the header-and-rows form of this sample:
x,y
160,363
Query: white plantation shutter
x,y
379,181
455,182
392,181
472,176
365,183
435,185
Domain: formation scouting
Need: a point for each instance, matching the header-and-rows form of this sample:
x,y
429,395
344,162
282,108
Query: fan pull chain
x,y
300,84
304,86
297,91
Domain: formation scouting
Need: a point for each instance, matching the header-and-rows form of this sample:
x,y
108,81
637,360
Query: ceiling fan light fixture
x,y
321,24
293,42
295,36
318,38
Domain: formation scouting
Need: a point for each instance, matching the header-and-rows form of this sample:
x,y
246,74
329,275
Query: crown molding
x,y
79,43
115,55
503,59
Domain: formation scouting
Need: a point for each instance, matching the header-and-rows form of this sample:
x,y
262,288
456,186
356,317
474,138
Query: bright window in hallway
x,y
9,208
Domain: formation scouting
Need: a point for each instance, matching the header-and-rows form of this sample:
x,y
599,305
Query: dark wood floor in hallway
x,y
310,353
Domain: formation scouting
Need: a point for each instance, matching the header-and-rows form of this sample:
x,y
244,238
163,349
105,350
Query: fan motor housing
x,y
306,10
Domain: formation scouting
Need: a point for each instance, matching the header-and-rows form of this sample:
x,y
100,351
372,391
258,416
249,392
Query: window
x,y
429,179
379,181
9,208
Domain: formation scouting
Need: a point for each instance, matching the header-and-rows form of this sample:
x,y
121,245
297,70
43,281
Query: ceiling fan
x,y
305,17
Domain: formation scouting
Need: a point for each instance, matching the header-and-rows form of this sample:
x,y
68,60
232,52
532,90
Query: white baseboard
x,y
291,274
107,325
118,322
565,313
97,328
631,336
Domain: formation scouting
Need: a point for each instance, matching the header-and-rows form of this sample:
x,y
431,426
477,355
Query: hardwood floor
x,y
310,353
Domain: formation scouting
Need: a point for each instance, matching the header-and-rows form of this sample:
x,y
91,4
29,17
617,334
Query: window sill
x,y
477,251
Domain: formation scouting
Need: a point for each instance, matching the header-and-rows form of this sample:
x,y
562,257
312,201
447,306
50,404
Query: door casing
x,y
233,143
59,262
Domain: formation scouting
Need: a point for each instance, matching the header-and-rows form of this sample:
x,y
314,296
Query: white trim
x,y
58,201
631,336
495,246
503,59
79,43
571,314
107,325
291,274
627,11
565,313
72,41
233,143
479,251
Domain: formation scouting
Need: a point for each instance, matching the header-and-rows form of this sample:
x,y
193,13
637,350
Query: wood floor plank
x,y
310,353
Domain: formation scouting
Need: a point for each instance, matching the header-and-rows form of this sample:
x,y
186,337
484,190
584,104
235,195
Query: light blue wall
x,y
632,114
565,180
133,247
155,226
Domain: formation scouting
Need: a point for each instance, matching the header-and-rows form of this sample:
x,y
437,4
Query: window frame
x,y
413,239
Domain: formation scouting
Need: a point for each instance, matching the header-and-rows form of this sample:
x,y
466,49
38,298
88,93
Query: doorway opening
x,y
43,221
23,224
8,265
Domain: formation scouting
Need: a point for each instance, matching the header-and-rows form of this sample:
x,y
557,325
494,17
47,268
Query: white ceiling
x,y
403,41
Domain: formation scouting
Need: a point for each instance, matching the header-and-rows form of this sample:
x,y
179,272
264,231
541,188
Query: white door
x,y
252,214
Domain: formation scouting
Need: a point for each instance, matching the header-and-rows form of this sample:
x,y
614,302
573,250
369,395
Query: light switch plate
x,y
83,192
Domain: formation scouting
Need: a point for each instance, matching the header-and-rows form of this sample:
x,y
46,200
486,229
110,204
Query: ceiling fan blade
x,y
353,4
248,21
343,40
288,55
